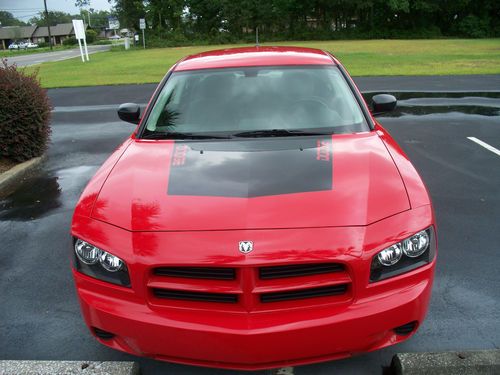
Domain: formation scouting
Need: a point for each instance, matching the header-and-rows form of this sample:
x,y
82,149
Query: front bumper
x,y
305,337
256,336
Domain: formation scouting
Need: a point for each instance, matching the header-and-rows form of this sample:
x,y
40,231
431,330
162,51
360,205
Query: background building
x,y
10,34
35,34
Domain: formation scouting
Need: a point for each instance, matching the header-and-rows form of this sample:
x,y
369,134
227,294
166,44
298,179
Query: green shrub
x,y
473,27
165,39
100,42
24,114
90,35
71,41
43,44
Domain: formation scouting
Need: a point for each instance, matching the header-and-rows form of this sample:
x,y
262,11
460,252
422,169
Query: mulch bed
x,y
6,164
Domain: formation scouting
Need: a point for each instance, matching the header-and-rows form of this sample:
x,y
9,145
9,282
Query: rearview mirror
x,y
383,103
129,112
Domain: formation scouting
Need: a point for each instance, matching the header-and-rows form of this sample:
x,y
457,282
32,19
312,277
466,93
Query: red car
x,y
258,217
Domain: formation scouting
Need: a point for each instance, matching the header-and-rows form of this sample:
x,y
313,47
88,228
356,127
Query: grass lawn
x,y
361,58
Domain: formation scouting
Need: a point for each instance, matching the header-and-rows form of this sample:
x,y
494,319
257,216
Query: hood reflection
x,y
437,103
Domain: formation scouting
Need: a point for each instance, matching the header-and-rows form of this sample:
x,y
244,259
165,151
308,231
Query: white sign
x,y
113,22
142,25
79,28
136,37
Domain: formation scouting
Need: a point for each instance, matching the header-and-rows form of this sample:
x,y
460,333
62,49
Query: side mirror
x,y
382,103
129,112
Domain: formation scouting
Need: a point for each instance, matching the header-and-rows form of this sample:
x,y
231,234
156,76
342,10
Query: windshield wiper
x,y
176,135
279,133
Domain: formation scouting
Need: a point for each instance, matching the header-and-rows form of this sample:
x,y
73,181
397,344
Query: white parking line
x,y
485,145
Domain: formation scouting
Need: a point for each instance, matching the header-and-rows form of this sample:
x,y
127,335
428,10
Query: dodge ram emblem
x,y
246,246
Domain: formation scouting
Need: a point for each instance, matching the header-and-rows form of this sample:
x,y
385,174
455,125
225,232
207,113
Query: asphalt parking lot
x,y
39,312
38,58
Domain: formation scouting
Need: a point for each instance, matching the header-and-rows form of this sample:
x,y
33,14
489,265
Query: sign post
x,y
142,26
80,34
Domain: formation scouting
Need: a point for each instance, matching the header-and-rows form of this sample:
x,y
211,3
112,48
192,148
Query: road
x,y
39,312
38,58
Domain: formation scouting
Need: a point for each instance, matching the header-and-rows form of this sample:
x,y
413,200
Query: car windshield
x,y
255,102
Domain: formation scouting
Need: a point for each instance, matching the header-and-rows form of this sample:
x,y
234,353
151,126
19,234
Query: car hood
x,y
285,182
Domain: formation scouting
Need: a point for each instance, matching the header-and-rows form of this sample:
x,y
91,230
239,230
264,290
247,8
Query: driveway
x,y
38,58
39,312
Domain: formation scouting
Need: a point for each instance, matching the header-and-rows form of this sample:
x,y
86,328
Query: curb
x,y
16,173
68,368
447,363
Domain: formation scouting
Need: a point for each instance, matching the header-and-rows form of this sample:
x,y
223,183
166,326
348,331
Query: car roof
x,y
255,56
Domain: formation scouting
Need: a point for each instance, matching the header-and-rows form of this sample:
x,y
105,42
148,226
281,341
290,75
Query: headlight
x,y
100,264
110,262
416,245
87,253
391,255
412,252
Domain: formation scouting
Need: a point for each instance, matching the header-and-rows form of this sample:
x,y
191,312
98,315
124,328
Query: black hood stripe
x,y
251,168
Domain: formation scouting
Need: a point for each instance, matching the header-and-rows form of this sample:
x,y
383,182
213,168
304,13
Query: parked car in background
x,y
31,45
259,216
14,46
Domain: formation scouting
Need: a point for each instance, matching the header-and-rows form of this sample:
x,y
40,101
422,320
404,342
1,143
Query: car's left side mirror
x,y
383,103
129,112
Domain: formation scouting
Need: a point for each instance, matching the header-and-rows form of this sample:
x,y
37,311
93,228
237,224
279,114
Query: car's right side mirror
x,y
130,112
383,103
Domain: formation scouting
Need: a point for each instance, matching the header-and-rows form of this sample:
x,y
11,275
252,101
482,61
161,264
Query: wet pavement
x,y
39,312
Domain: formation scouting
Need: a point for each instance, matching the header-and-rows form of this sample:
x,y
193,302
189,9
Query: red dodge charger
x,y
259,216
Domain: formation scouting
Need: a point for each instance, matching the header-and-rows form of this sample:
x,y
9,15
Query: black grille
x,y
195,296
405,329
277,272
102,334
216,273
323,291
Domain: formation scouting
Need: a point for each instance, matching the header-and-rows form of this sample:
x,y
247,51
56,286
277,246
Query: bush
x,y
165,39
473,27
24,114
43,44
71,41
102,42
90,36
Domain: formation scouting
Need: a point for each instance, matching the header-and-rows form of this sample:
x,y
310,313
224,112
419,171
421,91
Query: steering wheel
x,y
301,110
315,100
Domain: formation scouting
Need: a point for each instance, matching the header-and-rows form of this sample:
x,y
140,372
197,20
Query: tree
x,y
129,12
206,16
99,18
166,13
233,20
55,17
8,19
82,3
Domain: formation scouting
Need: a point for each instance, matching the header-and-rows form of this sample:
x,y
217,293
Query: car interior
x,y
256,98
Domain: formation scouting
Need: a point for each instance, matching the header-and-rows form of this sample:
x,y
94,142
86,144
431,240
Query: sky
x,y
26,9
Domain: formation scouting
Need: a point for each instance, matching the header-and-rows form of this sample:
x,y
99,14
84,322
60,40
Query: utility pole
x,y
48,23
